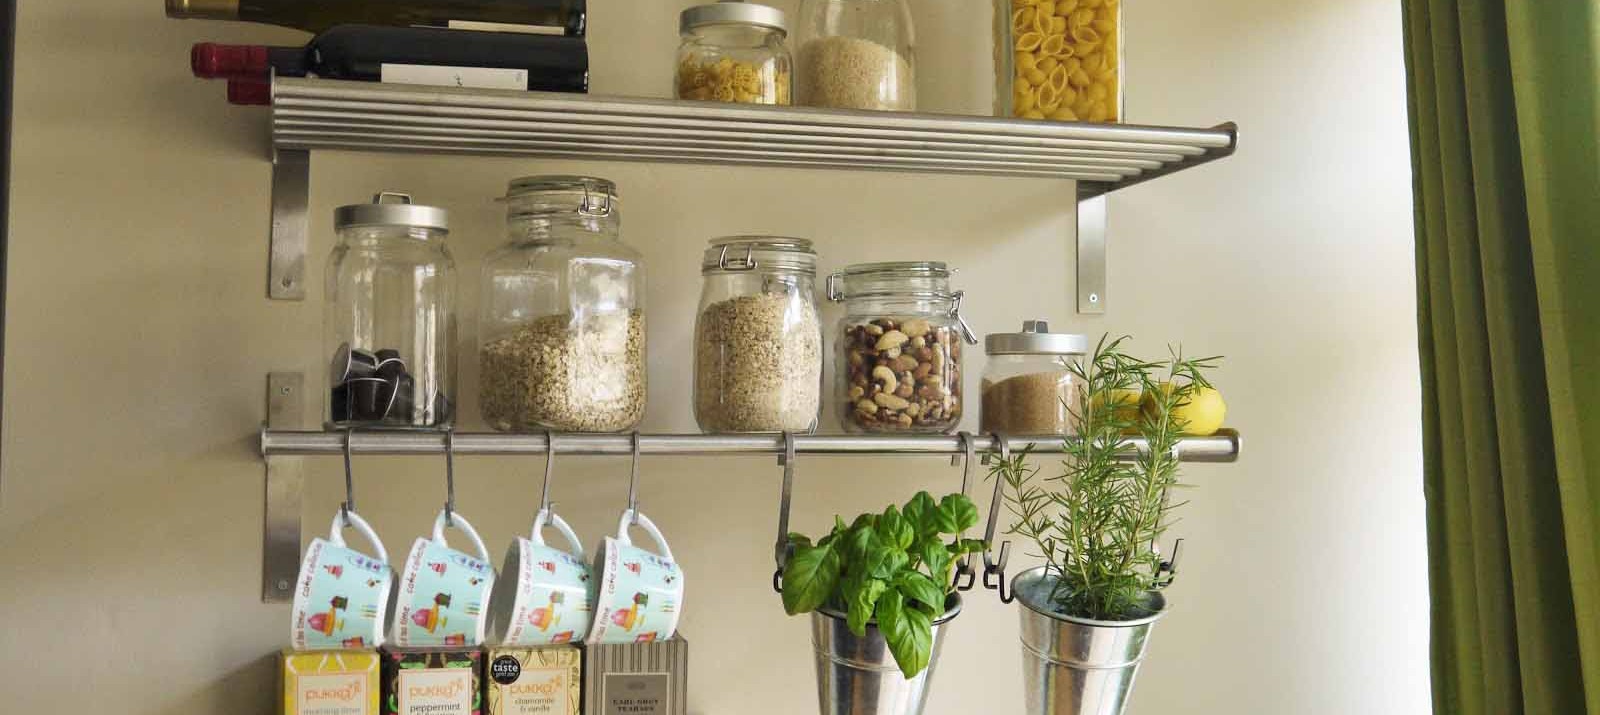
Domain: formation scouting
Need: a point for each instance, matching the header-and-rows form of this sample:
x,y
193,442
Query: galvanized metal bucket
x,y
1074,666
858,675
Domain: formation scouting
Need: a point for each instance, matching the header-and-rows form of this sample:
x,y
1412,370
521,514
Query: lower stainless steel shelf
x,y
1222,447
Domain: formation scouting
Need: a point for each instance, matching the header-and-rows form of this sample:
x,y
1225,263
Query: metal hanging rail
x,y
1222,447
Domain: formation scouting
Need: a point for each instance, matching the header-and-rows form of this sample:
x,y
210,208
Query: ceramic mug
x,y
342,594
640,593
549,601
444,593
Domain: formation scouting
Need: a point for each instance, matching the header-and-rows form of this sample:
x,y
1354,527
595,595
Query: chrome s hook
x,y
994,570
965,577
549,466
783,547
450,478
633,481
349,504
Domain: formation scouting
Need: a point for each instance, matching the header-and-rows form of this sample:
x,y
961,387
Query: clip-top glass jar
x,y
562,334
734,52
390,323
758,337
899,347
857,54
1029,387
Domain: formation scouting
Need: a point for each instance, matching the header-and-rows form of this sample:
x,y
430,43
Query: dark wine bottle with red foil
x,y
565,16
416,55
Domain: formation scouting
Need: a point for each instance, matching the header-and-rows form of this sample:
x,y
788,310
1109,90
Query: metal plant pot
x,y
858,675
1075,666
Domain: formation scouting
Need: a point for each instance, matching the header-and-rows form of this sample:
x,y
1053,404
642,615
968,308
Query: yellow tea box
x,y
336,682
535,681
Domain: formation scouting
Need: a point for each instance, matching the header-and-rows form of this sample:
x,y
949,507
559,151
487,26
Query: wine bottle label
x,y
505,27
476,77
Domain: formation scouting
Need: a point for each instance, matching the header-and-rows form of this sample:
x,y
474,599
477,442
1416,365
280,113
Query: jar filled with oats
x,y
1059,60
899,348
734,52
758,337
561,329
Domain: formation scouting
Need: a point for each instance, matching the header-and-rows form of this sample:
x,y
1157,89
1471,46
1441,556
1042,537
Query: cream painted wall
x,y
139,337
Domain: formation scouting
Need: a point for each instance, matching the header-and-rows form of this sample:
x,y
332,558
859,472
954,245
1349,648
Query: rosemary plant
x,y
1096,523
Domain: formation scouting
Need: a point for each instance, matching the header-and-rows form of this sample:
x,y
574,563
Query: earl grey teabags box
x,y
650,678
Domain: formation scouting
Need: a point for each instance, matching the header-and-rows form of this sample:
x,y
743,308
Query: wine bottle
x,y
415,55
319,15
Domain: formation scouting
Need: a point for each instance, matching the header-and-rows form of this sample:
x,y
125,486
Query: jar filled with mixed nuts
x,y
758,337
899,348
561,327
734,52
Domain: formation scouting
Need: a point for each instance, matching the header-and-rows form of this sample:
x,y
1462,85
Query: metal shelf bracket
x,y
291,230
1092,254
280,548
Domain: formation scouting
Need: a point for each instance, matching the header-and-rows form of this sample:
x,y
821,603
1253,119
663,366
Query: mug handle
x,y
354,520
554,519
631,517
460,523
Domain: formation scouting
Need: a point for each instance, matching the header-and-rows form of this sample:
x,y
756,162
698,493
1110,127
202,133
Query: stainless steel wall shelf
x,y
309,115
1222,447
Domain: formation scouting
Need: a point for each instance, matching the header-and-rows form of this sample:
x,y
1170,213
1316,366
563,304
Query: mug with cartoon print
x,y
546,594
443,595
640,593
342,594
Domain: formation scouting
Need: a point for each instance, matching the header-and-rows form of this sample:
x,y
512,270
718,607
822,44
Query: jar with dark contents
x,y
899,348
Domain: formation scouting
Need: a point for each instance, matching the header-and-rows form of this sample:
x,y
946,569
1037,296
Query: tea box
x,y
546,680
341,682
432,681
646,678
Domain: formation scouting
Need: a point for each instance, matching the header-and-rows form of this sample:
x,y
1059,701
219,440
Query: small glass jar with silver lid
x,y
758,337
1030,384
898,364
390,323
734,51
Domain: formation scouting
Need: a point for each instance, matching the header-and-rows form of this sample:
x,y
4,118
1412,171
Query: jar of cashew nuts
x,y
899,348
1059,60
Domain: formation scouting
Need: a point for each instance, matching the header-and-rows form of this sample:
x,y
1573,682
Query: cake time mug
x,y
341,594
443,595
640,593
545,594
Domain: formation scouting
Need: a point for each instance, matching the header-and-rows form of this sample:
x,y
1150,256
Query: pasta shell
x,y
1029,41
1053,44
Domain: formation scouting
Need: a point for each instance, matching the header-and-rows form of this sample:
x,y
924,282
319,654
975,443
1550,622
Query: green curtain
x,y
1507,182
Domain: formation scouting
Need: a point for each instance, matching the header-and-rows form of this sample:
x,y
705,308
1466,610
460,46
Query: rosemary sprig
x,y
1097,521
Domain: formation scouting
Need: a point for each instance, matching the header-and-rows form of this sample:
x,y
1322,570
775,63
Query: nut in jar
x,y
1059,59
904,375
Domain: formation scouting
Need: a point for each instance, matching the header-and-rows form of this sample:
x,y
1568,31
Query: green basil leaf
x,y
909,633
894,530
883,562
919,587
863,601
971,546
809,578
922,512
800,541
865,520
935,555
957,513
858,545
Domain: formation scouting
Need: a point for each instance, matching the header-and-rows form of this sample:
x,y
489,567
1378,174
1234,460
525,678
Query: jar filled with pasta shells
x,y
1059,60
734,52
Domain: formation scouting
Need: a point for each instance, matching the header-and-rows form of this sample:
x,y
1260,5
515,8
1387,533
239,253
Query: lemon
x,y
1125,404
1201,415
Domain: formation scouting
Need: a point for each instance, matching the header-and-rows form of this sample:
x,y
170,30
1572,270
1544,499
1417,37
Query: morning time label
x,y
338,694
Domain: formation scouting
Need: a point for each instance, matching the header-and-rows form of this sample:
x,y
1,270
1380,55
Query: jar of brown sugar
x,y
1029,386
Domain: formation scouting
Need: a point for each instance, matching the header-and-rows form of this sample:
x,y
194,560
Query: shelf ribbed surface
x,y
324,114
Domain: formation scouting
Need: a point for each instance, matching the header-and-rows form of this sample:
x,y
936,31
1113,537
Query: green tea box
x,y
334,682
646,678
432,681
546,680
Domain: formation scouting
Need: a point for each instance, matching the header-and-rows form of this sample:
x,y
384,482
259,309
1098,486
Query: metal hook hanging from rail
x,y
994,570
549,466
633,482
783,547
450,478
965,577
349,504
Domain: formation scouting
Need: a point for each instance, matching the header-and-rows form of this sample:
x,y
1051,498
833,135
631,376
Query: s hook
x,y
450,478
349,504
549,467
994,570
965,577
633,481
782,548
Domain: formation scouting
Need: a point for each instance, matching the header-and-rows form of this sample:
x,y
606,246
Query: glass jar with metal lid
x,y
390,323
734,51
758,337
561,328
899,347
1031,384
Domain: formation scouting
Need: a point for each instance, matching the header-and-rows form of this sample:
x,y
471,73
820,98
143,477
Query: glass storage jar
x,y
561,330
734,52
758,337
1059,59
1029,385
390,323
857,54
899,347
